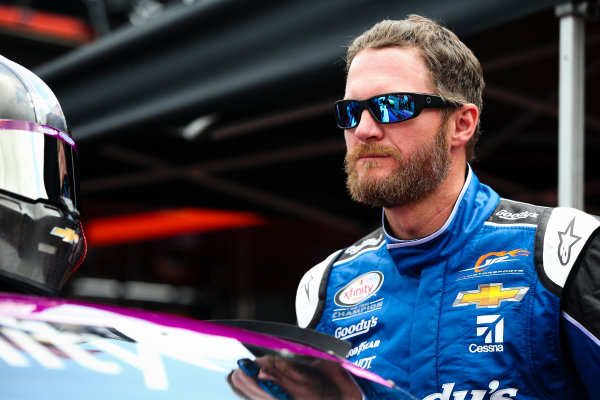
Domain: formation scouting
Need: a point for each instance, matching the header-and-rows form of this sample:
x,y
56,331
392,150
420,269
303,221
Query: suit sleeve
x,y
311,293
581,315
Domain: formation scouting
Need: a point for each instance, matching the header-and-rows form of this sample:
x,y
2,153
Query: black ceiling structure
x,y
226,104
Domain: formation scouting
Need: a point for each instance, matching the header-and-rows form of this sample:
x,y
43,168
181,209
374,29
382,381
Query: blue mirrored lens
x,y
390,108
348,113
252,369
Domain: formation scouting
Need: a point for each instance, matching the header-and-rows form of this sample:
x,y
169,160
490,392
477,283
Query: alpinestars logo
x,y
567,240
491,328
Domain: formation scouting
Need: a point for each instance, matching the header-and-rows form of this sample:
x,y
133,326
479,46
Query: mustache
x,y
373,149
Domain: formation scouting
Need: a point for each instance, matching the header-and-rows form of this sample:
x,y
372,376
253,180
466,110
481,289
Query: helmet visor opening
x,y
38,162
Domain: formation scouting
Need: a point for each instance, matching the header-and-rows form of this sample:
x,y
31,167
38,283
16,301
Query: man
x,y
460,294
41,238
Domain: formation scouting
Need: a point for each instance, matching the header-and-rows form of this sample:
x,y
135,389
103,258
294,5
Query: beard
x,y
415,176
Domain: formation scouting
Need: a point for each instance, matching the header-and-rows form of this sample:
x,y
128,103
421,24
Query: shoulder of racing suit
x,y
312,289
567,255
562,237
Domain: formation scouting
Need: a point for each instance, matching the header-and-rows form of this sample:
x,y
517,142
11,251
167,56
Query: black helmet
x,y
41,237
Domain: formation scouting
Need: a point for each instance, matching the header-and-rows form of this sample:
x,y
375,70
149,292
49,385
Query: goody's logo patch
x,y
362,327
359,289
504,214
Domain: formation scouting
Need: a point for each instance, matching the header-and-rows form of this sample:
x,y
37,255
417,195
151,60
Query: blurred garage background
x,y
210,163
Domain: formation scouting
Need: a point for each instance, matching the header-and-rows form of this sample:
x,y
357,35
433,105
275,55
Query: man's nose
x,y
368,129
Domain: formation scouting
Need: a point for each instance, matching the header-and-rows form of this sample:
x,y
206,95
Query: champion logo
x,y
359,289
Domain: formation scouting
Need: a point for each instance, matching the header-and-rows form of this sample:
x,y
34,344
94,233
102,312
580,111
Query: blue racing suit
x,y
502,302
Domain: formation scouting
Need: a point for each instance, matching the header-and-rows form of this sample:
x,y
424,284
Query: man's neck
x,y
420,219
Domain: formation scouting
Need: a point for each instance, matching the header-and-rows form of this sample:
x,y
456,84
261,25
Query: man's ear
x,y
464,120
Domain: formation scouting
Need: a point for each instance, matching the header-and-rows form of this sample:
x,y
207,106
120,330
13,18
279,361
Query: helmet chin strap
x,y
80,261
73,214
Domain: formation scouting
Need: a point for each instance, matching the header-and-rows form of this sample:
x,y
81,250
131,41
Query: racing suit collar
x,y
474,205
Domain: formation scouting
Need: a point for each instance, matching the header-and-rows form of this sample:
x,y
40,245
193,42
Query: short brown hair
x,y
455,72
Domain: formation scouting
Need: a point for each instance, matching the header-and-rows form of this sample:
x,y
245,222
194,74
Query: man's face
x,y
394,164
298,380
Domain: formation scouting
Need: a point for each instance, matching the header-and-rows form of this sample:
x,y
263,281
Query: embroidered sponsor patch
x,y
360,328
566,234
489,295
491,264
494,391
491,329
359,289
363,308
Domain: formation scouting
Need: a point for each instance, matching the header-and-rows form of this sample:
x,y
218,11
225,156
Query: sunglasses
x,y
388,108
252,369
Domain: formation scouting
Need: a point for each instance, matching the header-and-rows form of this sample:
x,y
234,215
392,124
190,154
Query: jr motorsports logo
x,y
359,289
491,329
493,264
489,295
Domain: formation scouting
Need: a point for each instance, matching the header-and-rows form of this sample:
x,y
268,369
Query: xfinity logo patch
x,y
359,289
491,329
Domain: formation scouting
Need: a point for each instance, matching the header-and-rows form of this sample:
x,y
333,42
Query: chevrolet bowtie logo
x,y
489,295
68,235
